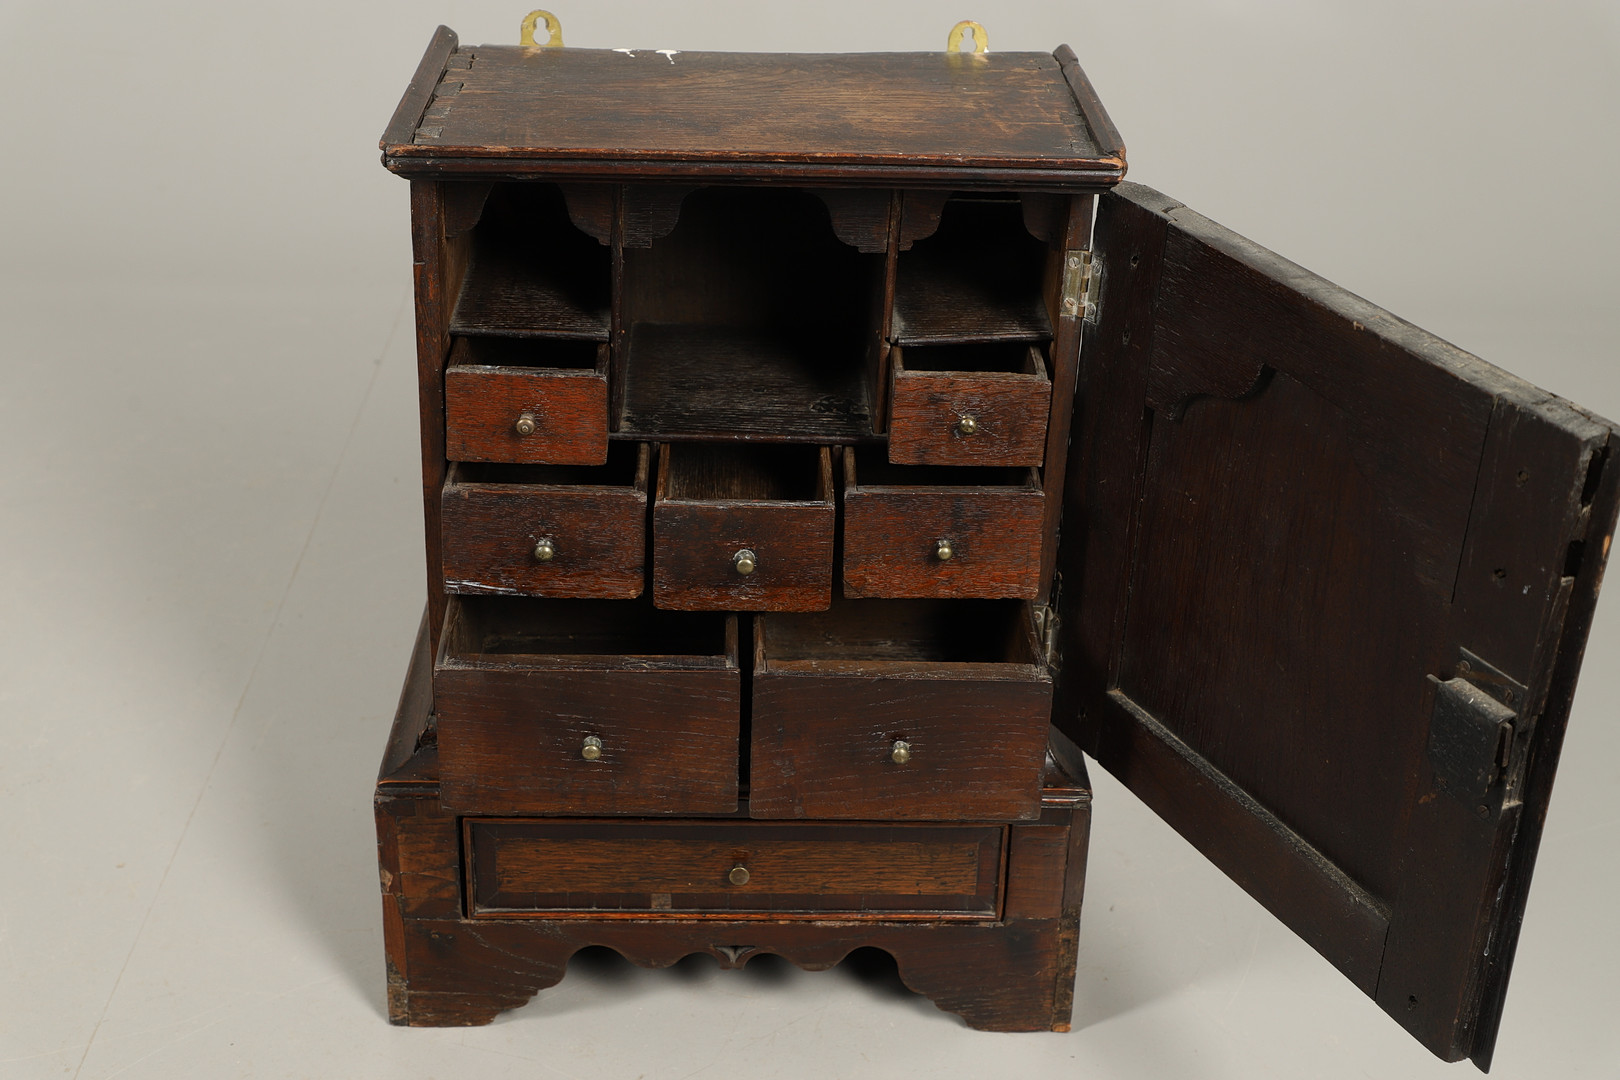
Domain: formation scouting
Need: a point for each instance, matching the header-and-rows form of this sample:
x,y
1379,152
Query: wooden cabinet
x,y
806,487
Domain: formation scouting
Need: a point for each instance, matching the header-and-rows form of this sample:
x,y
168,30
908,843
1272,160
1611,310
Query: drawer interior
x,y
1004,357
479,627
870,470
626,467
900,632
550,354
698,472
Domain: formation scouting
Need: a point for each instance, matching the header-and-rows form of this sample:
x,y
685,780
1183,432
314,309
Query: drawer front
x,y
533,540
917,542
968,418
908,746
696,548
518,741
733,869
526,416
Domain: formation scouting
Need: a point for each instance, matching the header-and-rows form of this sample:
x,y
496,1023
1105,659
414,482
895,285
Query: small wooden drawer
x,y
983,404
586,707
526,400
928,530
743,527
904,709
733,869
548,530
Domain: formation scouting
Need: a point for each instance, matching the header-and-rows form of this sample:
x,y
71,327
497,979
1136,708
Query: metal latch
x,y
1472,730
1080,279
1046,625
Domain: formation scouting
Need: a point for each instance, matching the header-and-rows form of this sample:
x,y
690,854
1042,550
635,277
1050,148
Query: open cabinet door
x,y
1323,589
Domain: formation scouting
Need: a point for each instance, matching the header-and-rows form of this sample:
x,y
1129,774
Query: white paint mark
x,y
671,53
1526,590
627,52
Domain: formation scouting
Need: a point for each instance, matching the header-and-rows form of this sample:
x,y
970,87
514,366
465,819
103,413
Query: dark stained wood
x,y
978,278
593,209
961,683
1003,386
419,92
713,501
650,212
561,386
947,117
896,516
920,212
804,871
595,519
1091,106
409,739
1285,501
521,684
434,295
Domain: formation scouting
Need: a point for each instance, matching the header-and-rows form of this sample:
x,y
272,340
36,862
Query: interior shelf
x,y
532,273
731,382
978,278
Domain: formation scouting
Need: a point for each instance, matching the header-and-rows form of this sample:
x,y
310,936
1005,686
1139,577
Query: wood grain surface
x,y
933,388
561,386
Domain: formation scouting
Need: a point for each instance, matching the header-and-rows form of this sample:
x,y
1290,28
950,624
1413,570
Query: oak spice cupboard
x,y
821,451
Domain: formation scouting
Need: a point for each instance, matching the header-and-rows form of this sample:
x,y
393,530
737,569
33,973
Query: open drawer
x,y
737,869
548,530
976,404
743,527
937,531
900,709
528,400
586,707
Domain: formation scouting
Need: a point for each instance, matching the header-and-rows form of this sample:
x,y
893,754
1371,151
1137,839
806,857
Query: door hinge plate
x,y
1472,731
1080,277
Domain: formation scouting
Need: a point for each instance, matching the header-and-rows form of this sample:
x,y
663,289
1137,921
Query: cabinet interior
x,y
519,626
929,631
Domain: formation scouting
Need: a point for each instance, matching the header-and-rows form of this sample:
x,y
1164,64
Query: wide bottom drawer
x,y
732,869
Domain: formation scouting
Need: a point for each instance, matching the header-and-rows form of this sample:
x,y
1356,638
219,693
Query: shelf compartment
x,y
557,869
715,502
899,709
548,530
729,382
978,404
526,401
978,278
532,272
899,520
520,685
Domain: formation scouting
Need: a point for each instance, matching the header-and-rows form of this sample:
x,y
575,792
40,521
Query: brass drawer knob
x,y
967,425
745,562
901,752
592,748
545,550
944,551
738,876
525,424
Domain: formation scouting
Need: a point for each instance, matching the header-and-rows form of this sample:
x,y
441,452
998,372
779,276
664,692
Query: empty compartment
x,y
750,319
526,400
979,404
586,707
531,271
743,527
978,277
922,530
908,709
548,530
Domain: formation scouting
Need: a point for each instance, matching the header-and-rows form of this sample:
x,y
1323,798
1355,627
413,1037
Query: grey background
x,y
210,535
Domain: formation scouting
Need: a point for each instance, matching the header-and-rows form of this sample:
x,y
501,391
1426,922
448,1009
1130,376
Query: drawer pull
x,y
967,425
944,551
901,753
525,424
592,748
739,875
745,563
545,550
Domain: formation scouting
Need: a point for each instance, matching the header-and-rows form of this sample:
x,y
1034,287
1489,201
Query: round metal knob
x,y
545,550
901,753
525,424
745,562
592,748
967,425
738,876
944,551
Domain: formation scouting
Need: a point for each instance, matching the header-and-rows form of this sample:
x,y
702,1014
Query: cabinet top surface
x,y
929,118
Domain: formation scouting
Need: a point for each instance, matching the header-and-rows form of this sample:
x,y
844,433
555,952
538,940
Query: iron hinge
x,y
1046,624
1473,731
1080,278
